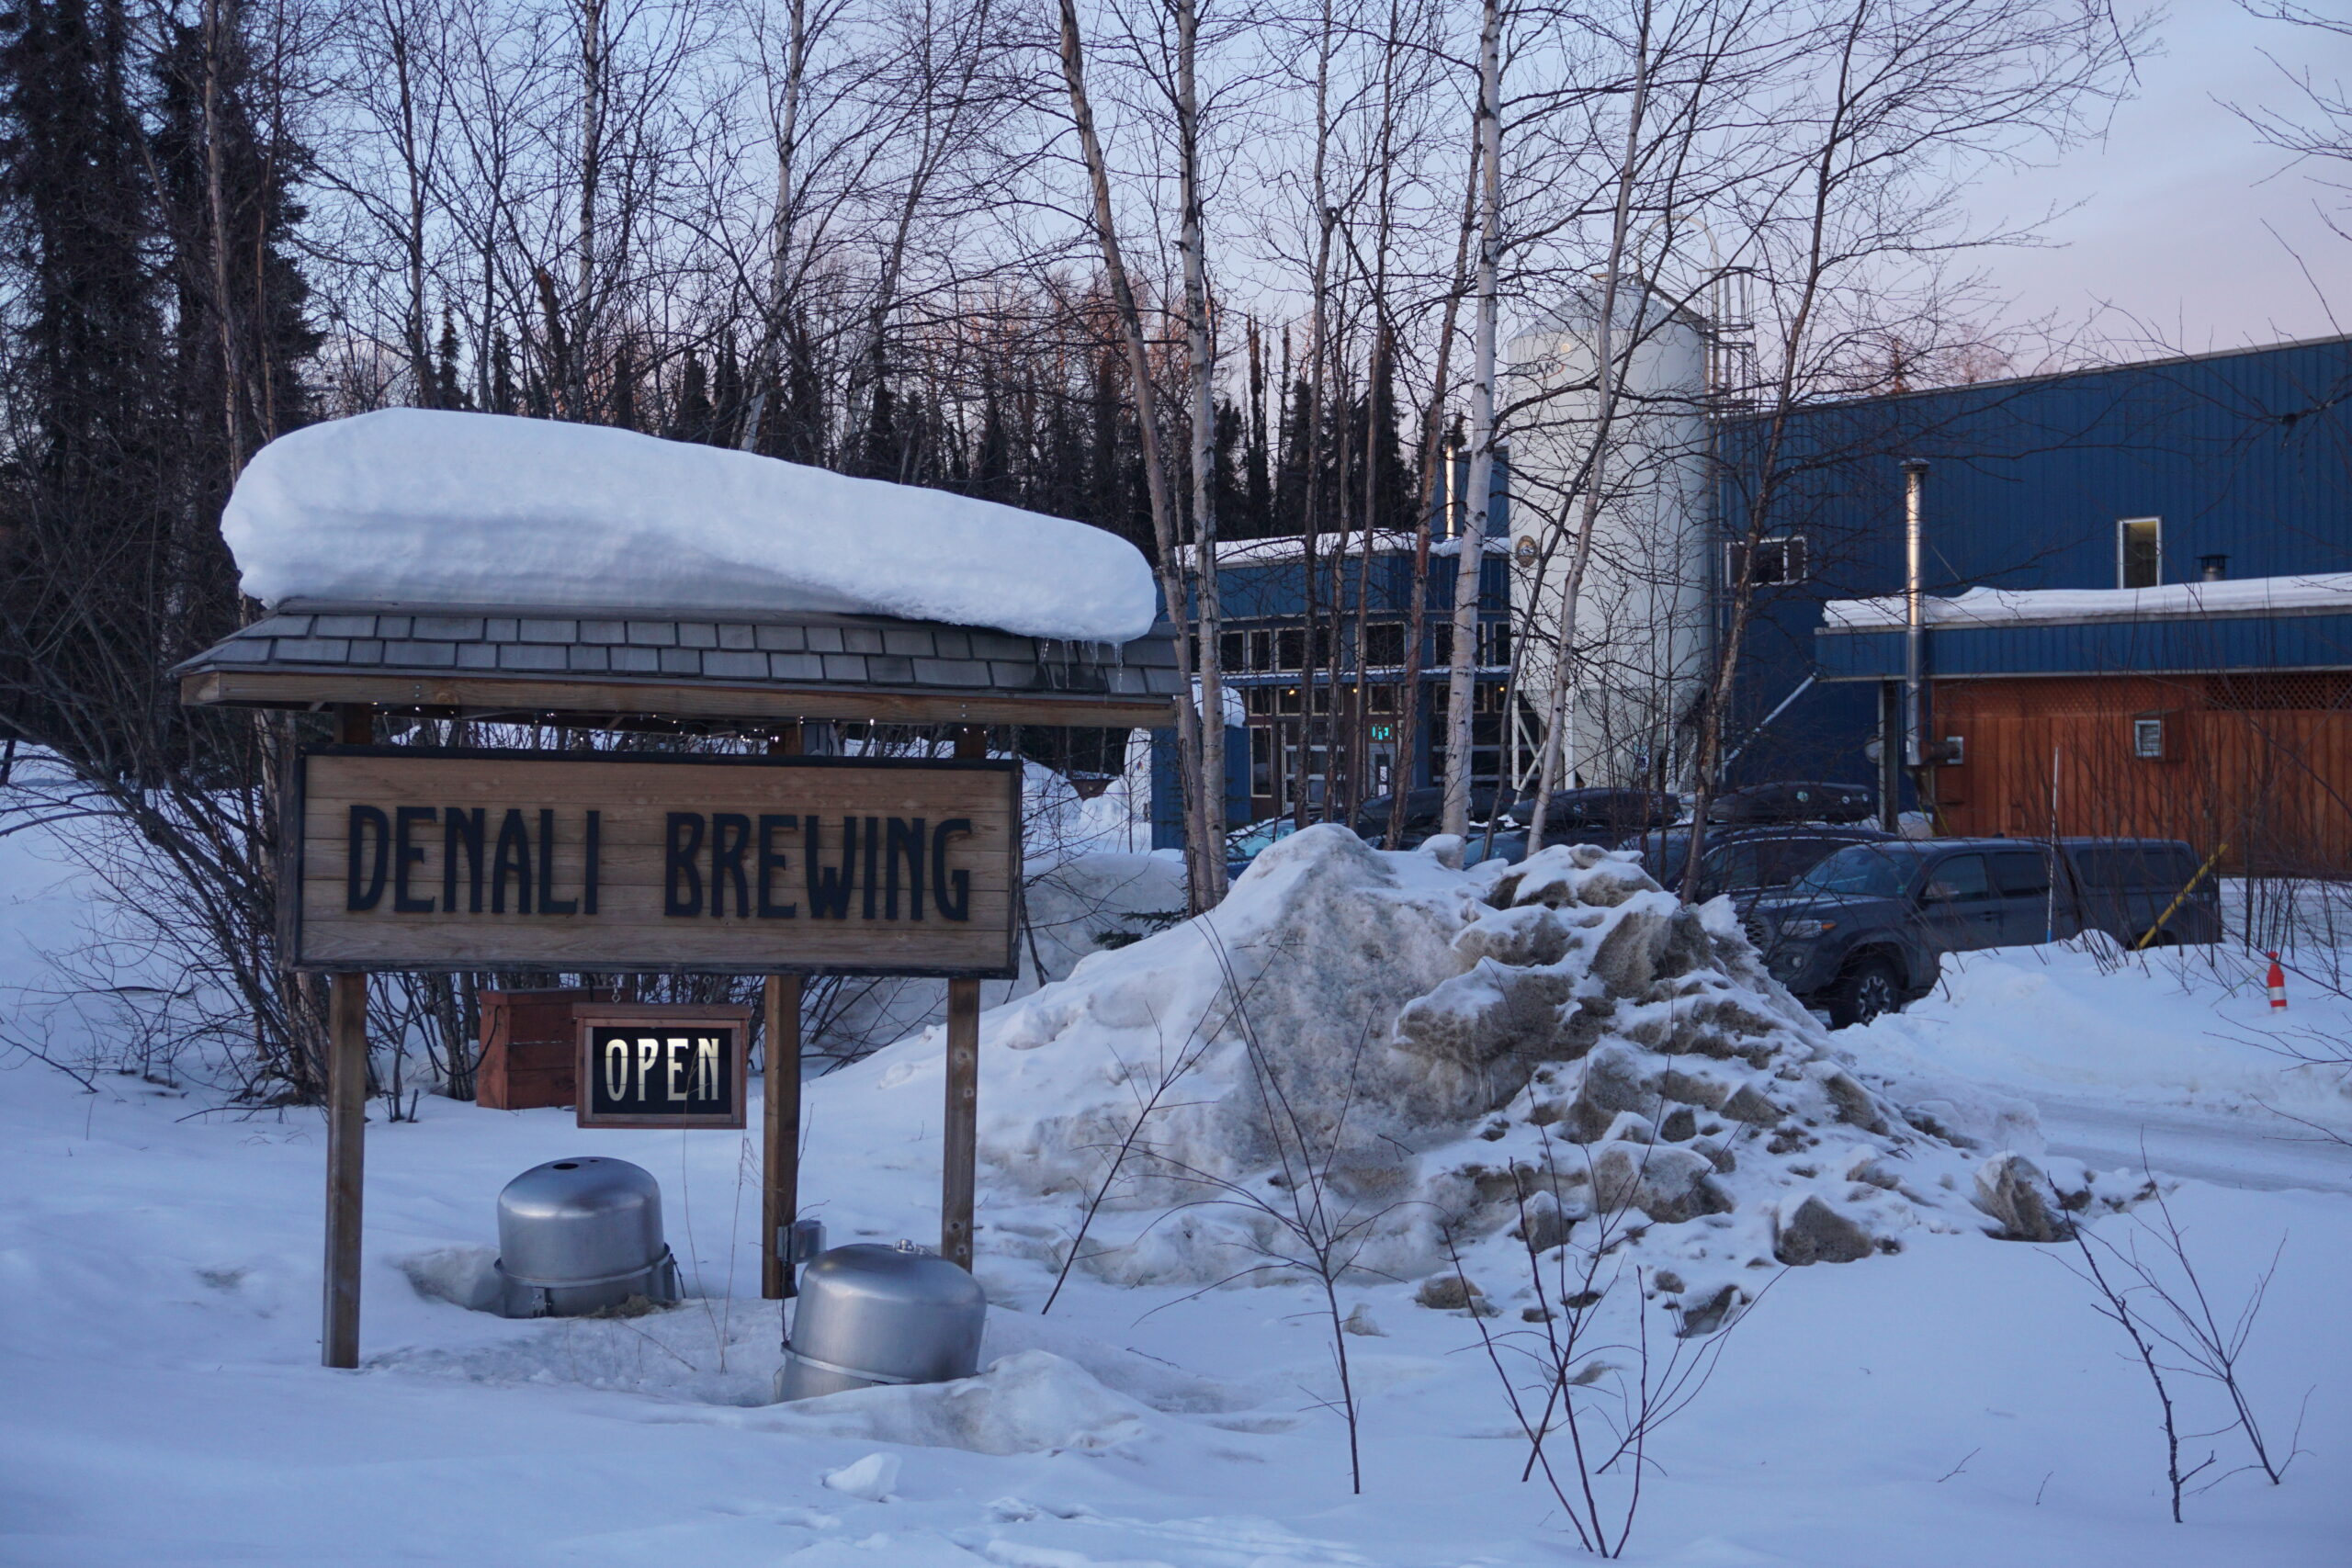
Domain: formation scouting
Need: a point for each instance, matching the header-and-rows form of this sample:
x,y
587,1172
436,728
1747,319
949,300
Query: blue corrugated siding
x,y
1278,589
1168,791
2283,642
2244,454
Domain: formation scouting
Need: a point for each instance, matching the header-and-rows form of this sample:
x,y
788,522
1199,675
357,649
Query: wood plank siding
x,y
2259,760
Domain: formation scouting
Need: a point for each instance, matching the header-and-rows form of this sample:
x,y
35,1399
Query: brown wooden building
x,y
2221,714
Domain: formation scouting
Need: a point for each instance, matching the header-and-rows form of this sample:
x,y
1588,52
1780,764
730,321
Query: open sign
x,y
662,1066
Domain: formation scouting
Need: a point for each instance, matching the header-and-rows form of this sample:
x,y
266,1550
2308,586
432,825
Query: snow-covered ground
x,y
2181,1048
1955,1403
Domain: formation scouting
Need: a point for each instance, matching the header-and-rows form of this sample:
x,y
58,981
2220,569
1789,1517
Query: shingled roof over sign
x,y
480,662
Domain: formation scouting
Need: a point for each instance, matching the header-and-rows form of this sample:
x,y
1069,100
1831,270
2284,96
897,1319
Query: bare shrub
x,y
1588,1369
2150,1287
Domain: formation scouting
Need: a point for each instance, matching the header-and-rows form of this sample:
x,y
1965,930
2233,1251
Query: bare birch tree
x,y
1461,679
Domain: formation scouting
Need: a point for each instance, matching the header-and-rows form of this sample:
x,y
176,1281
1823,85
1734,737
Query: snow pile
x,y
420,506
1034,1402
2139,1041
1085,882
2007,606
1462,1055
1045,1385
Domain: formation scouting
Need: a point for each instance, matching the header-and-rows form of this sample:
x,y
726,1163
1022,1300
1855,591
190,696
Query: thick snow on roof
x,y
415,505
2001,606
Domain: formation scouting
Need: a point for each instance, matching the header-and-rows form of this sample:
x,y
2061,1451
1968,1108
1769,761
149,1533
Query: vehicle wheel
x,y
1868,988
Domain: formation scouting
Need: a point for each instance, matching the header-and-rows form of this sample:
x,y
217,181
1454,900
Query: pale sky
x,y
2172,230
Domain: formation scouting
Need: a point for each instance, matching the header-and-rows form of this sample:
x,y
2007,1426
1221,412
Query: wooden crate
x,y
530,1046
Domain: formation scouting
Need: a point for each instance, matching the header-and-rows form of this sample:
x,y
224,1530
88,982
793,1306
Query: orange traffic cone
x,y
2278,983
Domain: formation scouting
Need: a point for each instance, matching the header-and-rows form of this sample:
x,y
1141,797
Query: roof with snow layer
x,y
2273,623
488,566
600,668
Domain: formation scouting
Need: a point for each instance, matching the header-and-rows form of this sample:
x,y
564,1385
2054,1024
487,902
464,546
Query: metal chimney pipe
x,y
1915,626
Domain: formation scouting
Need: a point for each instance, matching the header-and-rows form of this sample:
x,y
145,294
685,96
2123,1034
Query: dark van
x,y
1864,931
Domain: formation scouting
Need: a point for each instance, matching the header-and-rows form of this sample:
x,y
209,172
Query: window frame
x,y
1794,556
1995,859
1988,892
2123,527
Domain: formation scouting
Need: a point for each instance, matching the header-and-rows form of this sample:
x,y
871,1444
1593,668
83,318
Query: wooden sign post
x,y
423,857
781,865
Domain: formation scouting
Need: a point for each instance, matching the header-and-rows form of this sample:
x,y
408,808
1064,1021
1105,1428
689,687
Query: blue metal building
x,y
1294,684
2228,464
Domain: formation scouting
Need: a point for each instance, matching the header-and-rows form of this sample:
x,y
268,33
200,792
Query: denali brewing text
x,y
421,858
766,866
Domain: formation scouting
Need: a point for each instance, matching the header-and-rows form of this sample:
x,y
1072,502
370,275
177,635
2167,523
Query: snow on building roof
x,y
2310,593
434,508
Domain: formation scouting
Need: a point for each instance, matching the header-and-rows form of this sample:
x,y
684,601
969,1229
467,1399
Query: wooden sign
x,y
433,859
662,1066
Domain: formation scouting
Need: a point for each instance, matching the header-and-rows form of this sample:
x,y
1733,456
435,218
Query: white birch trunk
x,y
1200,354
1462,679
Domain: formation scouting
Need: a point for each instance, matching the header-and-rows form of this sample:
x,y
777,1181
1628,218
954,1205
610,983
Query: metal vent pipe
x,y
1915,626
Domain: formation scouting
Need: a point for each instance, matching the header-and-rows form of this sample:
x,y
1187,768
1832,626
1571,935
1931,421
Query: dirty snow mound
x,y
1316,950
1458,1057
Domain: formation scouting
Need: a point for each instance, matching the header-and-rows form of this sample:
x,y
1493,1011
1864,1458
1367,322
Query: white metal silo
x,y
1643,624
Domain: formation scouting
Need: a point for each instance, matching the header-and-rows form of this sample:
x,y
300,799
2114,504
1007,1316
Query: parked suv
x,y
1864,931
1743,861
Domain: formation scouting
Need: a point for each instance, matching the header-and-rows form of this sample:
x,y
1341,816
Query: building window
x,y
2138,552
1773,561
2148,739
1494,643
1261,650
1290,647
1383,643
1233,650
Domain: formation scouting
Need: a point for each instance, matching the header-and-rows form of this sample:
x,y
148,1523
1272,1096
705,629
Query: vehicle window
x,y
1662,857
2135,865
1730,868
1957,881
2021,873
1779,862
1859,871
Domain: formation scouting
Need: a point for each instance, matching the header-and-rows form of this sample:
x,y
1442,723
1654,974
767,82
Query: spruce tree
x,y
94,553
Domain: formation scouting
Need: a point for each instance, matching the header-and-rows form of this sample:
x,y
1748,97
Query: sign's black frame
x,y
290,865
672,1018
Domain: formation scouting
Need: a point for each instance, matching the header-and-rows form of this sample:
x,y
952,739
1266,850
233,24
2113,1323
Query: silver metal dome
x,y
582,1236
869,1314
